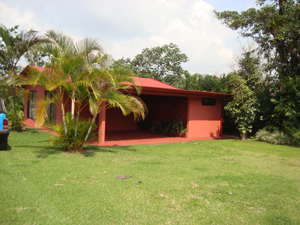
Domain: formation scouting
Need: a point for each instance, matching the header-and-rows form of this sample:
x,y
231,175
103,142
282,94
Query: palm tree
x,y
15,46
80,71
69,61
109,90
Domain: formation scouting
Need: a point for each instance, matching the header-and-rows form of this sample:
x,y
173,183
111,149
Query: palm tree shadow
x,y
47,151
88,151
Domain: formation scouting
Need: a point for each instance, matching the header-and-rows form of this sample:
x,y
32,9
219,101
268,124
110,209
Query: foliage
x,y
243,106
70,141
13,46
275,137
275,27
296,137
34,57
159,62
173,127
80,72
211,83
121,63
14,105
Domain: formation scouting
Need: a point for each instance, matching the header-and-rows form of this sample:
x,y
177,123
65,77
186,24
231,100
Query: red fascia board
x,y
154,87
181,93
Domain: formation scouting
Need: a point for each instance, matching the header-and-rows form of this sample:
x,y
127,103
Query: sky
x,y
126,27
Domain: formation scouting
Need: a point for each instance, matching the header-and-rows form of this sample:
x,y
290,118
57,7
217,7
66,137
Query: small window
x,y
209,101
31,103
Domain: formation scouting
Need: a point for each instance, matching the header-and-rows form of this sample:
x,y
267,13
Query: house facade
x,y
202,111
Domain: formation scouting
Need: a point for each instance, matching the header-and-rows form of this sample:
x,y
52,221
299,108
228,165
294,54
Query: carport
x,y
202,111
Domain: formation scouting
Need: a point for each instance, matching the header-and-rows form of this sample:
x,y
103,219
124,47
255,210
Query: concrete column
x,y
101,125
188,122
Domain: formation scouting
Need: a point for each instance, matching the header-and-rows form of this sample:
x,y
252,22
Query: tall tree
x,y
275,27
160,62
243,106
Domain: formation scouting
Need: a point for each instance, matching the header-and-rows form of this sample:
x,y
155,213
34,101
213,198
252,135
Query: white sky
x,y
126,27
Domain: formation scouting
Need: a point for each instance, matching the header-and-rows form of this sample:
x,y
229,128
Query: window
x,y
31,103
209,101
51,109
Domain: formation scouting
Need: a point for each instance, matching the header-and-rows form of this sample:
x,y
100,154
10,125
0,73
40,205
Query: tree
x,y
80,71
159,62
243,106
34,57
275,28
13,46
122,63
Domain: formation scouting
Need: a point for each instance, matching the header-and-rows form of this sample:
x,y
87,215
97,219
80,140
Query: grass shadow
x,y
109,149
48,151
88,150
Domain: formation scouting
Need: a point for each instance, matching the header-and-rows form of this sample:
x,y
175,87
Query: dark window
x,y
51,109
31,103
208,101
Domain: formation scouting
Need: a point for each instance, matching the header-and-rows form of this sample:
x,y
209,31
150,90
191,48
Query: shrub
x,y
262,135
296,137
173,127
16,120
76,132
277,137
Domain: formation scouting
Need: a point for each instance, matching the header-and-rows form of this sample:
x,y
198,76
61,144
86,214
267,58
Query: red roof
x,y
155,87
37,67
151,83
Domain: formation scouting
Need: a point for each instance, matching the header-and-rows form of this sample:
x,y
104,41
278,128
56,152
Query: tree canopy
x,y
275,27
159,62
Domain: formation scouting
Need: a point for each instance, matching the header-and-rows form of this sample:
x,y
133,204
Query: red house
x,y
202,111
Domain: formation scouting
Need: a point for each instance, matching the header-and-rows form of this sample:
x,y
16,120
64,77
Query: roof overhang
x,y
154,87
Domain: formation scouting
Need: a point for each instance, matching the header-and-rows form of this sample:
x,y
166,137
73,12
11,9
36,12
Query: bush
x,y
16,120
173,127
296,137
76,132
277,138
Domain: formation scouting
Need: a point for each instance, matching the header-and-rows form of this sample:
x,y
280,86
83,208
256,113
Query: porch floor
x,y
141,137
134,137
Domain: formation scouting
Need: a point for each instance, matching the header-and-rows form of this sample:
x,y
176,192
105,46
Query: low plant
x,y
173,127
296,137
76,133
16,120
276,137
262,135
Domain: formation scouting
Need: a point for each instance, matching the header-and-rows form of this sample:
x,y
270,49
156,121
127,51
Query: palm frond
x,y
41,110
5,35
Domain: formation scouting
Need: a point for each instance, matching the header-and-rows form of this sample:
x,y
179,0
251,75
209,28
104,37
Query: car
x,y
4,133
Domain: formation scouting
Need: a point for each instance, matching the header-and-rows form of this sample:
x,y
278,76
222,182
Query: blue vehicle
x,y
3,126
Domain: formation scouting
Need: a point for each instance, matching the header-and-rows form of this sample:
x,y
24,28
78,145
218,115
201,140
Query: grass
x,y
205,182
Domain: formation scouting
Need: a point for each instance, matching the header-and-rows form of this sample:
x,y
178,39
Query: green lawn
x,y
203,182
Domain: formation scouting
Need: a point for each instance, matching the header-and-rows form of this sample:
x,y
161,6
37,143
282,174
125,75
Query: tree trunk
x,y
73,105
243,136
76,126
90,128
64,118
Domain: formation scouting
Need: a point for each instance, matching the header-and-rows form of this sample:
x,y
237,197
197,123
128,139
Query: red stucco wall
x,y
40,94
162,108
115,120
204,121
